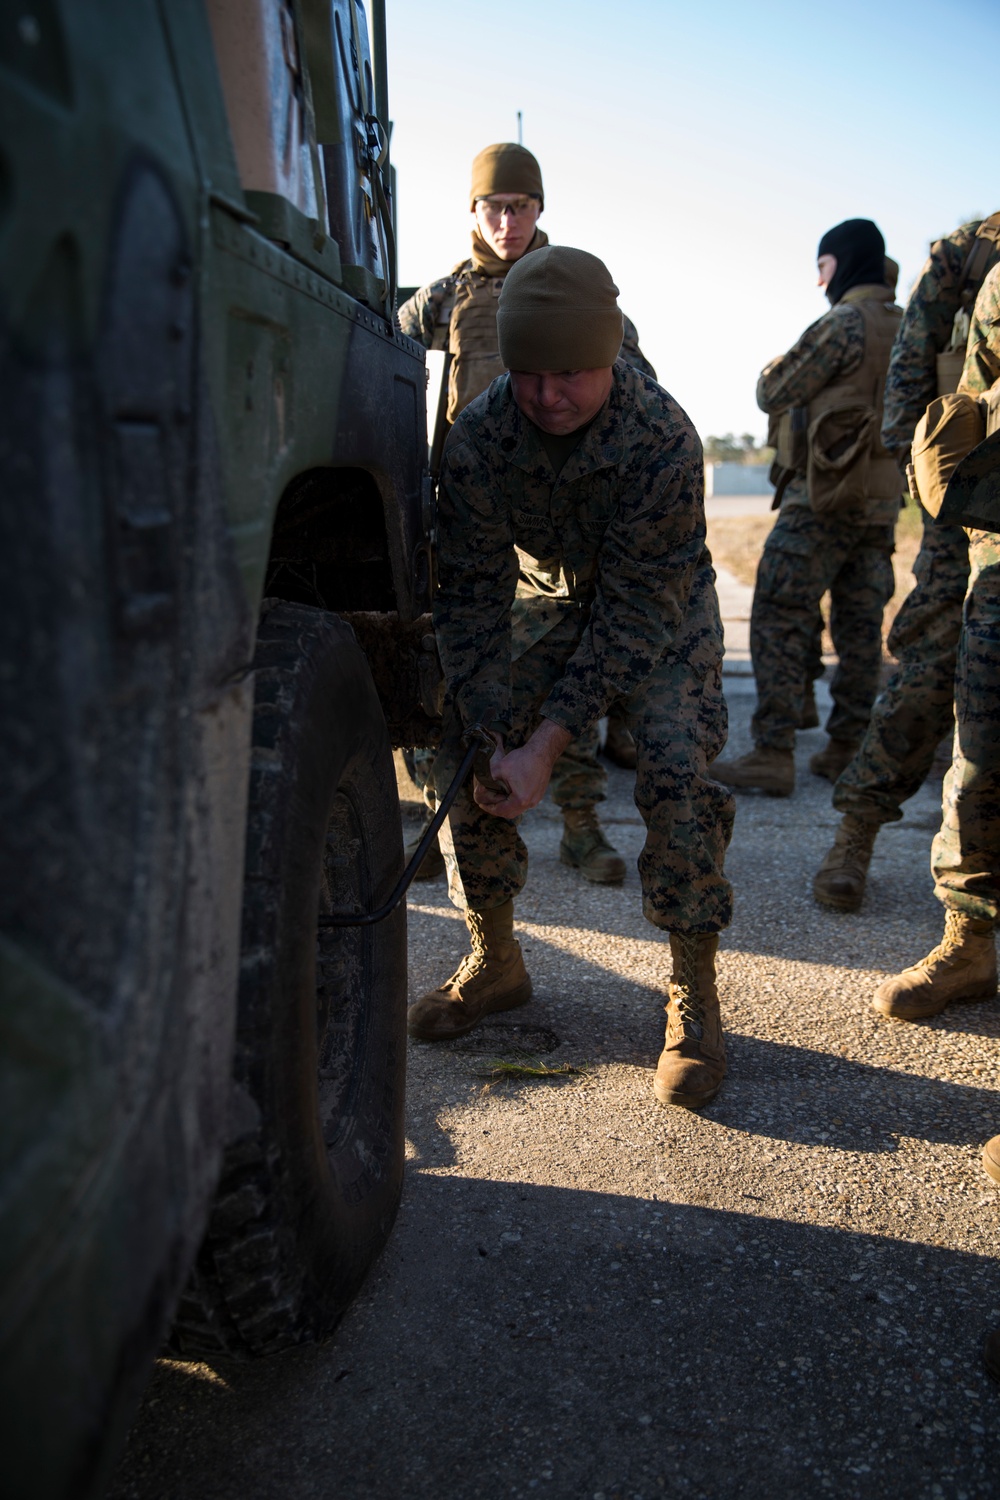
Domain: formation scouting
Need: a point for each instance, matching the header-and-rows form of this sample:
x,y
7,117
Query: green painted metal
x,y
294,370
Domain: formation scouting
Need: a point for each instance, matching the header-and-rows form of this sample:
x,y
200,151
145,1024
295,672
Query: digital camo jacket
x,y
426,317
925,332
831,347
826,355
620,534
982,358
965,857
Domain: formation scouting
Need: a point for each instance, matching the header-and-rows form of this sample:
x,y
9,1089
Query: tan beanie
x,y
558,310
505,168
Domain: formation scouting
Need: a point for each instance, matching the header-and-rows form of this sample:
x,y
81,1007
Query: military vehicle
x,y
213,450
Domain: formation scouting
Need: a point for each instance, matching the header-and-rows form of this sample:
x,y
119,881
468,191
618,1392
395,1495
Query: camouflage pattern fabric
x,y
926,330
914,712
678,718
982,357
805,555
965,858
829,350
560,595
831,347
619,534
578,777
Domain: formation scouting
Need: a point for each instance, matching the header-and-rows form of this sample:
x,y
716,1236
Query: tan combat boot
x,y
764,770
585,846
839,883
692,1064
619,746
963,966
492,977
991,1158
833,759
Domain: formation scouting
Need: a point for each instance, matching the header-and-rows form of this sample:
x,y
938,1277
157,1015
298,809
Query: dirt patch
x,y
736,543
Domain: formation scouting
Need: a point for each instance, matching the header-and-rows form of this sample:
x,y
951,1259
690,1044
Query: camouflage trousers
x,y
965,857
578,777
679,721
914,712
805,555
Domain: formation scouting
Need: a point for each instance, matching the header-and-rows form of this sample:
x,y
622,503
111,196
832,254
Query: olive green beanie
x,y
505,168
558,310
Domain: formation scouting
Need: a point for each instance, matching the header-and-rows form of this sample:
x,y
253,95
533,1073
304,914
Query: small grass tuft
x,y
506,1070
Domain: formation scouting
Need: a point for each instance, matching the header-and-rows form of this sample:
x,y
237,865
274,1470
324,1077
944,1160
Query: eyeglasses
x,y
494,208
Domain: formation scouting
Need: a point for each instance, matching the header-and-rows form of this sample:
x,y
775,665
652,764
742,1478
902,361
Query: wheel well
x,y
329,545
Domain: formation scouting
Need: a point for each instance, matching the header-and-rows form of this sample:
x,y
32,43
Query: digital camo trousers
x,y
965,857
915,710
805,555
679,721
578,777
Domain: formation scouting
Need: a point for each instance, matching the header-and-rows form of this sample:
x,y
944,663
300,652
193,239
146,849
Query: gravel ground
x,y
587,1295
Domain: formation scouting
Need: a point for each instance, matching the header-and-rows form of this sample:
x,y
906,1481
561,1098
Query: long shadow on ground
x,y
519,1338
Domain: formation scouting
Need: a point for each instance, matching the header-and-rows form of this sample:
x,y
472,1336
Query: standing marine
x,y
574,575
914,712
965,856
840,490
458,314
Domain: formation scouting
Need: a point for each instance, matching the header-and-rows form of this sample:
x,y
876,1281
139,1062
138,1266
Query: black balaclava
x,y
860,251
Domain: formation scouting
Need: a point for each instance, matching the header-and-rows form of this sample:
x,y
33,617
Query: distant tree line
x,y
744,449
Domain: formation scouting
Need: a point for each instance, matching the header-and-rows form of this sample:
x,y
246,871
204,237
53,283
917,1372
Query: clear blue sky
x,y
701,149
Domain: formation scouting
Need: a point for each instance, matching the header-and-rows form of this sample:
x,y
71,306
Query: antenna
x,y
520,142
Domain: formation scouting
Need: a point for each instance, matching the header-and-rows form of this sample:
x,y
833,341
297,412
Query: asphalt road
x,y
588,1295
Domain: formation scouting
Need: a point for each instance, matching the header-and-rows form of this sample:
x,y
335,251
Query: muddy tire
x,y
314,1163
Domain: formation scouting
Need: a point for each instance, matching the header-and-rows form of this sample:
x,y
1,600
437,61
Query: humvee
x,y
213,450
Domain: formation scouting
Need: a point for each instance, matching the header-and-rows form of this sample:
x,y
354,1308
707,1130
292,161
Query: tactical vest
x,y
982,253
472,338
847,464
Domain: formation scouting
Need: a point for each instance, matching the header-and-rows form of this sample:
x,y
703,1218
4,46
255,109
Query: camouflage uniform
x,y
915,710
579,778
806,554
965,859
560,596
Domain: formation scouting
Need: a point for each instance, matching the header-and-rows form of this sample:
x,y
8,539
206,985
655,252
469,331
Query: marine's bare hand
x,y
526,771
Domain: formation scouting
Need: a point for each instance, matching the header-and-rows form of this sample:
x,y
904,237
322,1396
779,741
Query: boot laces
x,y
472,964
684,992
858,843
953,940
477,932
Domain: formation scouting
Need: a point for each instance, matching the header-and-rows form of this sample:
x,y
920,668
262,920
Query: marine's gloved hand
x,y
526,771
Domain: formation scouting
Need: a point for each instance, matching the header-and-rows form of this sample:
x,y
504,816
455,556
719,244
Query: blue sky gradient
x,y
701,150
